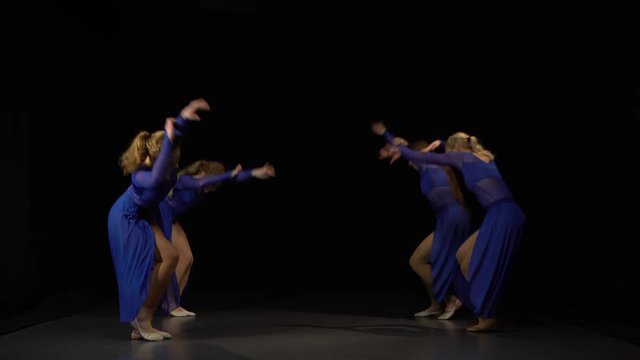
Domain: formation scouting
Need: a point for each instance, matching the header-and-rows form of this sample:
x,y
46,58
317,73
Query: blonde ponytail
x,y
477,148
134,156
461,140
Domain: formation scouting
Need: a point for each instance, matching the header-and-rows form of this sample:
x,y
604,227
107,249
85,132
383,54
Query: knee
x,y
171,256
415,263
187,258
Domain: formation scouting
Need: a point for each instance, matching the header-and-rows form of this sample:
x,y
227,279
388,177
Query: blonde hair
x,y
203,166
143,145
207,168
471,143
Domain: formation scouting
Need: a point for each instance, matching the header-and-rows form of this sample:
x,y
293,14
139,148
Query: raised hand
x,y
190,112
170,128
378,128
385,153
398,141
389,152
236,170
434,145
264,172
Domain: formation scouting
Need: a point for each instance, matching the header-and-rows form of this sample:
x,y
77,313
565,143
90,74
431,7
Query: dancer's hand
x,y
264,172
169,128
378,128
434,145
236,171
395,155
398,141
384,153
390,152
190,112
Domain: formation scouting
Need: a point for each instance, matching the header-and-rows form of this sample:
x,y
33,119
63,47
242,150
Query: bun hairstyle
x,y
144,145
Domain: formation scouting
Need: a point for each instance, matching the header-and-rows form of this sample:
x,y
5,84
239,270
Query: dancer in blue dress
x,y
485,257
434,260
144,260
194,183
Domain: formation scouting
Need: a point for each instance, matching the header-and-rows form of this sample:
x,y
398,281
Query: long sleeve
x,y
388,137
181,126
189,182
447,159
244,175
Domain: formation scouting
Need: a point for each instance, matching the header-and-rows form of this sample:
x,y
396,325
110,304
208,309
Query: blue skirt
x,y
452,228
498,240
132,246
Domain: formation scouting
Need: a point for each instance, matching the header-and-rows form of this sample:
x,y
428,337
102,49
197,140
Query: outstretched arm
x,y
189,182
419,157
264,172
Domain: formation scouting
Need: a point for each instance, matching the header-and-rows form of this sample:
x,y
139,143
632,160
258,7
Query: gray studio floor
x,y
295,331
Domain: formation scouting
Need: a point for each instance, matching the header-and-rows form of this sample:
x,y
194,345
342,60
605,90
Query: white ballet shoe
x,y
149,336
135,334
450,310
180,312
427,313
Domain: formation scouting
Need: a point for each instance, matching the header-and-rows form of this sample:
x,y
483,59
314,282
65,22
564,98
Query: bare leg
x,y
167,259
419,262
183,269
463,255
180,242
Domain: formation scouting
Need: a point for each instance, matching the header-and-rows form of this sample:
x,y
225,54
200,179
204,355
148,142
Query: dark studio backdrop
x,y
549,87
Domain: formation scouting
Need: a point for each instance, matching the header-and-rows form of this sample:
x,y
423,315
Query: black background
x,y
550,87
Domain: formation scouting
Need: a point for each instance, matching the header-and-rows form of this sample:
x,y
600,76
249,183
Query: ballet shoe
x,y
427,313
149,336
450,310
135,334
180,312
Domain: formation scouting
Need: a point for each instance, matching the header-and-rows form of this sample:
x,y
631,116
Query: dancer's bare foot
x,y
181,312
484,325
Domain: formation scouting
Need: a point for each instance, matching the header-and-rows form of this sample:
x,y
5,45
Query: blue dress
x,y
187,192
131,238
499,234
452,227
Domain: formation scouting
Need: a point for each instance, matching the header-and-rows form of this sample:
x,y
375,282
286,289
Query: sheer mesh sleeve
x,y
448,159
189,182
244,175
388,137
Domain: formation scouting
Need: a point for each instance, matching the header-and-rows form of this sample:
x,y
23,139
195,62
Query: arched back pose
x,y
485,257
434,260
144,260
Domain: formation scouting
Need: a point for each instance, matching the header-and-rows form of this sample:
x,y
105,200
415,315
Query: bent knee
x,y
188,258
417,262
170,256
